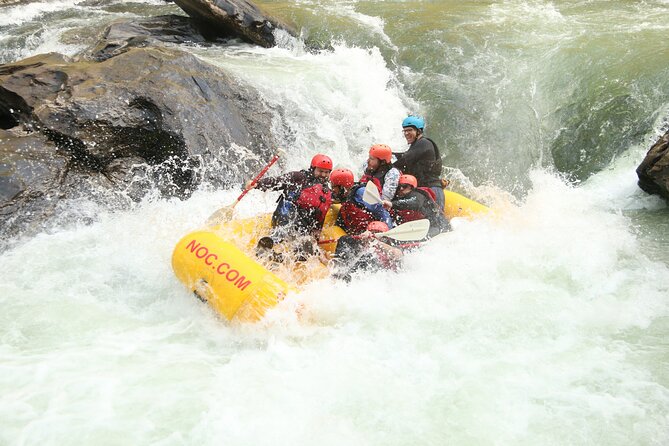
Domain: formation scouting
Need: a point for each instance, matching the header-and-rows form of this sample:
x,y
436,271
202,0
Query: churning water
x,y
545,325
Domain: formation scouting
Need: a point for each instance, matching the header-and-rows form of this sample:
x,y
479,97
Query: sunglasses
x,y
404,186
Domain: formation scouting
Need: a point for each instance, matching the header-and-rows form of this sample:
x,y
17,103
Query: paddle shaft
x,y
412,230
403,245
257,177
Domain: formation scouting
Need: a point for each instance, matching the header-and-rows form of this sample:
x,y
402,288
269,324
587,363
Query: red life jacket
x,y
429,192
406,215
367,178
315,198
352,217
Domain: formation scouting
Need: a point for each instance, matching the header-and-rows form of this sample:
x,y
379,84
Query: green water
x,y
506,86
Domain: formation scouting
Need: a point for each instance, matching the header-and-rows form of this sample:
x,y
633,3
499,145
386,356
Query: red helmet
x,y
377,226
321,161
408,179
342,177
382,152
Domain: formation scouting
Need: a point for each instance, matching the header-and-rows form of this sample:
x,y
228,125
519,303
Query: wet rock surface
x,y
236,17
147,119
653,172
153,31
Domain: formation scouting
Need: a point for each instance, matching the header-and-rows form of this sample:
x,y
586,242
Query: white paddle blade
x,y
371,194
410,231
221,215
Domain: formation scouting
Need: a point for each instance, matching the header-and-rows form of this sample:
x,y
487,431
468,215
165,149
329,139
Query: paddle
x,y
371,194
225,213
409,231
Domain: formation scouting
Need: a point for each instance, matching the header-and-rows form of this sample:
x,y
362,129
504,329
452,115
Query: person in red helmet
x,y
380,170
415,203
365,252
304,202
355,214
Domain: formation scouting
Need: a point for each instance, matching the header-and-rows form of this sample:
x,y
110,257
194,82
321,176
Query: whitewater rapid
x,y
543,325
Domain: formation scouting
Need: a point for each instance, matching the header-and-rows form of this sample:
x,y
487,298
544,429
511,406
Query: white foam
x,y
25,12
504,322
338,102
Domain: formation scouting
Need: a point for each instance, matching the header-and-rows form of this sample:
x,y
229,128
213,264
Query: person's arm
x,y
411,202
289,179
390,183
389,256
421,149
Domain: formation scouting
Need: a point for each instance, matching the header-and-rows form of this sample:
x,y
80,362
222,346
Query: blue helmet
x,y
414,121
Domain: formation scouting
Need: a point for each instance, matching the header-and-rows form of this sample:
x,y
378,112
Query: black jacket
x,y
418,201
423,161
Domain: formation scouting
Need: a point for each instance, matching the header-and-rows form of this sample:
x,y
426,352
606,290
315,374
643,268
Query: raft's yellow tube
x,y
219,273
456,205
241,289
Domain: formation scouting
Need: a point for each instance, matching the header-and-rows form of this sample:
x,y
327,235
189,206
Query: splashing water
x,y
544,325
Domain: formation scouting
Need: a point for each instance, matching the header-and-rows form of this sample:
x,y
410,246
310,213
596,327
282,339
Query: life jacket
x,y
367,178
406,215
378,177
305,208
384,259
353,218
429,192
429,170
317,199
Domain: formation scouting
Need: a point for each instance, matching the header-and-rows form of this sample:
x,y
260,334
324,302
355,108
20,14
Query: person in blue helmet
x,y
422,159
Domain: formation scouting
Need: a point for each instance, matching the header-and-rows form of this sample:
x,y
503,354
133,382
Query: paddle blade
x,y
413,230
220,216
371,194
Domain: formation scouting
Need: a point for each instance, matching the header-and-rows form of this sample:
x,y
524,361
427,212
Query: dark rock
x,y
171,29
28,160
653,172
236,17
147,119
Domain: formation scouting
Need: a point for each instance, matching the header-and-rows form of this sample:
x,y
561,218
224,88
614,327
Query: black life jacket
x,y
427,170
378,177
434,214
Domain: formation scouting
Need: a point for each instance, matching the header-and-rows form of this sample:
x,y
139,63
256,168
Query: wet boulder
x,y
653,172
151,31
147,119
31,169
236,17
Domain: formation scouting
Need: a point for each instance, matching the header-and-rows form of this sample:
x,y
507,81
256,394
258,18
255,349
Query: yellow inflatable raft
x,y
218,265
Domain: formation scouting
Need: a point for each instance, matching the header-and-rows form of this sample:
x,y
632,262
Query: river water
x,y
544,326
